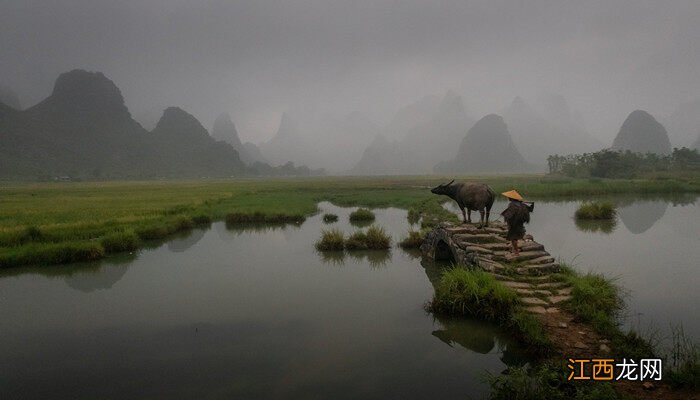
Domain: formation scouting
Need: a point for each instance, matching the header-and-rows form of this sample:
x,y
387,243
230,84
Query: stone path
x,y
532,274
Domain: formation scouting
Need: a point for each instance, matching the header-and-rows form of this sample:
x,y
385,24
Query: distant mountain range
x,y
537,137
642,133
84,130
224,129
433,139
683,124
487,147
9,97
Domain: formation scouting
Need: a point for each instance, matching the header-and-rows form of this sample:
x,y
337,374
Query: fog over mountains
x,y
354,87
84,130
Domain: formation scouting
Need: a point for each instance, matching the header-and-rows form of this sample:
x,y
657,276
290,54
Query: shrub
x,y
331,240
473,292
362,214
330,218
596,210
120,241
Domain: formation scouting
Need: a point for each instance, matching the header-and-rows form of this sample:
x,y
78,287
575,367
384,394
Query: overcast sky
x,y
256,59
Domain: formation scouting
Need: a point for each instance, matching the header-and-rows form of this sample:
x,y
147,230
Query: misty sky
x,y
256,59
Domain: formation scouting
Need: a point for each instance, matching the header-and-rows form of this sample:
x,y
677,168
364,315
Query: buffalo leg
x,y
488,214
469,216
464,216
481,222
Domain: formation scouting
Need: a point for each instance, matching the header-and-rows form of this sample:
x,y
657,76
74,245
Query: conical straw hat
x,y
513,195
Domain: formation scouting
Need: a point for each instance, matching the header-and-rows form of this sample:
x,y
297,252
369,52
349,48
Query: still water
x,y
258,313
250,313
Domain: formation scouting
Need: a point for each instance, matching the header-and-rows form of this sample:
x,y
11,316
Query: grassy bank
x,y
37,217
476,293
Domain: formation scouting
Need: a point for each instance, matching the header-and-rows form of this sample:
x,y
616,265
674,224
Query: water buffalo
x,y
469,197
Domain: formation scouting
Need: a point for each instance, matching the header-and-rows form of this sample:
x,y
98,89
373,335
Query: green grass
x,y
595,298
51,253
546,381
683,361
357,241
596,210
33,214
476,293
121,241
530,330
330,218
331,240
362,214
375,238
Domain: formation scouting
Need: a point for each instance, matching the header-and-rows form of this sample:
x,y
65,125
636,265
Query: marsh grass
x,y
121,241
51,253
261,217
594,298
357,241
683,368
377,238
530,330
545,381
362,214
413,216
330,218
473,293
596,210
331,240
33,214
413,241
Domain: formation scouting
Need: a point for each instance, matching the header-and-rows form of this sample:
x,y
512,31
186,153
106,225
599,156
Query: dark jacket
x,y
516,215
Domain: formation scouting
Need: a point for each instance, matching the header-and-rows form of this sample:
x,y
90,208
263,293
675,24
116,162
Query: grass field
x,y
49,223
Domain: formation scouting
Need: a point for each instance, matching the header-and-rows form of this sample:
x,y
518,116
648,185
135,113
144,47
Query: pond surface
x,y
653,249
257,313
251,313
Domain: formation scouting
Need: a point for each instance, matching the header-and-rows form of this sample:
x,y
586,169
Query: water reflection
x,y
84,277
596,226
375,258
480,337
475,335
362,223
101,278
185,240
336,258
639,216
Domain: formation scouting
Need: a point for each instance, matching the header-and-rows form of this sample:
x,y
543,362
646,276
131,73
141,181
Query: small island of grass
x,y
331,240
362,214
596,210
330,218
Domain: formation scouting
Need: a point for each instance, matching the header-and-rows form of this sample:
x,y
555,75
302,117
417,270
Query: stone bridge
x,y
532,274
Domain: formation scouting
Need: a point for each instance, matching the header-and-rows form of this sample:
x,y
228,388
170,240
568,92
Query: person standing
x,y
516,215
